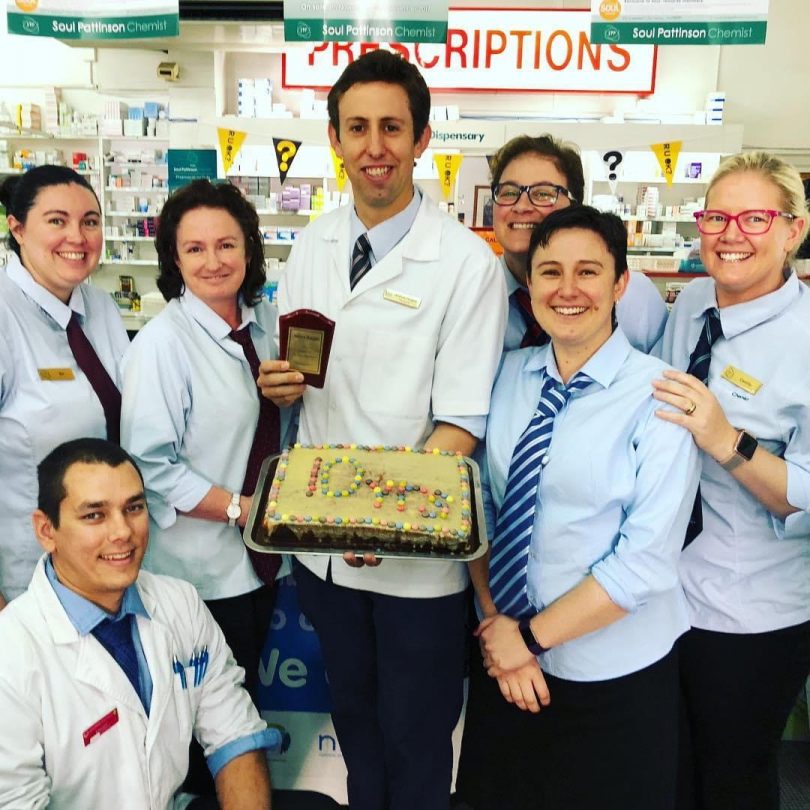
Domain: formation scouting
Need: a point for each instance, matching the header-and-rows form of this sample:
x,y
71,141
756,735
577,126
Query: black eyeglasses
x,y
541,195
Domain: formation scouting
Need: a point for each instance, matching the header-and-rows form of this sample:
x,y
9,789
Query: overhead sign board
x,y
94,19
674,22
492,49
365,21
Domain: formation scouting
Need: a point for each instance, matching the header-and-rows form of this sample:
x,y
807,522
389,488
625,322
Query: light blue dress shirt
x,y
188,416
36,415
641,312
85,616
383,239
613,501
749,571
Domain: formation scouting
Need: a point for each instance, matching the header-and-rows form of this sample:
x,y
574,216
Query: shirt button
x,y
545,460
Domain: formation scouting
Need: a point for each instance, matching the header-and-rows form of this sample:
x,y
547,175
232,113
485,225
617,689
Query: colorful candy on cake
x,y
373,497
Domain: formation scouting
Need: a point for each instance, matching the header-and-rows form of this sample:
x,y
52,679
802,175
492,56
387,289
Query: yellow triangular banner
x,y
340,169
230,142
447,166
667,155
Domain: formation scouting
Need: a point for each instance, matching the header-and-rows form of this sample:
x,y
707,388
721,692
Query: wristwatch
x,y
234,509
535,647
743,451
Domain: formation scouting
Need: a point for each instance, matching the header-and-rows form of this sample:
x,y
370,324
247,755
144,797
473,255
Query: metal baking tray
x,y
282,540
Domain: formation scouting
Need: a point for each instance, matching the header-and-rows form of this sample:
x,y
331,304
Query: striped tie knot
x,y
513,532
361,260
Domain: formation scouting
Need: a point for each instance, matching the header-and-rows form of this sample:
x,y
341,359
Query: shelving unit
x,y
135,178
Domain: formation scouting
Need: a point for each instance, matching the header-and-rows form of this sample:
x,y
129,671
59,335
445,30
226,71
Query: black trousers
x,y
737,693
607,744
395,667
244,621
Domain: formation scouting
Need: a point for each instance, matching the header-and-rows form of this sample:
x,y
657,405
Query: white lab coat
x,y
55,684
421,334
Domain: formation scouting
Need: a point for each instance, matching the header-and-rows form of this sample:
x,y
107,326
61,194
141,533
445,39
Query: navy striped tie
x,y
699,362
116,638
513,532
361,260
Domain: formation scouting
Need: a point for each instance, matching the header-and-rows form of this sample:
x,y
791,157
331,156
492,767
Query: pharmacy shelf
x,y
131,262
135,164
130,238
136,190
132,214
629,218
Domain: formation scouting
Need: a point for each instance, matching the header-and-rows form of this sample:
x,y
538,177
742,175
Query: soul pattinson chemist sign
x,y
91,19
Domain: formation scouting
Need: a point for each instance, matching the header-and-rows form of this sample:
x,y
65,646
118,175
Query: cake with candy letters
x,y
381,498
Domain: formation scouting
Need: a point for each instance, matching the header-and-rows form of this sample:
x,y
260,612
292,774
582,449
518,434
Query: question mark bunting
x,y
612,159
285,154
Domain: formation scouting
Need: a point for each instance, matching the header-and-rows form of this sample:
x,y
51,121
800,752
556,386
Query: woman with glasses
x,y
531,178
742,338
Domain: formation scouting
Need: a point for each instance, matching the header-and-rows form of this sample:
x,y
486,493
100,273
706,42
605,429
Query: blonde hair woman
x,y
742,337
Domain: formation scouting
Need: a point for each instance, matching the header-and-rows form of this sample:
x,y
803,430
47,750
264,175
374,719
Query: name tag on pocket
x,y
741,379
402,299
99,727
56,374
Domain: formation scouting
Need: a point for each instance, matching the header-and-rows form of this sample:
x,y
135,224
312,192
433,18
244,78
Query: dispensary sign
x,y
94,19
674,22
364,21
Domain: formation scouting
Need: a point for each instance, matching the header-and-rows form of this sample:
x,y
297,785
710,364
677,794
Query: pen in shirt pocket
x,y
180,670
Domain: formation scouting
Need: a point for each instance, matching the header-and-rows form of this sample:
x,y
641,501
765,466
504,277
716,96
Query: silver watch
x,y
234,509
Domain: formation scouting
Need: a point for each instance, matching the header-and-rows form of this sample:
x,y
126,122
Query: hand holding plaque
x,y
306,340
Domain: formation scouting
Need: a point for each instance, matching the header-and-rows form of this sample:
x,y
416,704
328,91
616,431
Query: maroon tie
x,y
265,443
535,335
87,360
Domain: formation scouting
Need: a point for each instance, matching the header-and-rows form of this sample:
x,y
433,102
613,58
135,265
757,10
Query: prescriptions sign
x,y
489,49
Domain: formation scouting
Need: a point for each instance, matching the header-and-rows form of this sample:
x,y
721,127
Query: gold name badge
x,y
402,299
741,379
56,374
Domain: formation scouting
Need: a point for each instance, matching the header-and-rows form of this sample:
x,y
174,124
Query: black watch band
x,y
535,647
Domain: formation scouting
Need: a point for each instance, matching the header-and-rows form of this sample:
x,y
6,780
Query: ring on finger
x,y
691,409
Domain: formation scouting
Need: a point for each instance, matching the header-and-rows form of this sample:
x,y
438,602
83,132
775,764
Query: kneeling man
x,y
108,671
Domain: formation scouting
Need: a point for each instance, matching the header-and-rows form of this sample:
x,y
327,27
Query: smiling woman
x,y
60,345
740,339
193,417
590,499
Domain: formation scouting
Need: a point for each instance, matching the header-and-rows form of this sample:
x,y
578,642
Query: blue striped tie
x,y
513,532
699,362
701,357
361,260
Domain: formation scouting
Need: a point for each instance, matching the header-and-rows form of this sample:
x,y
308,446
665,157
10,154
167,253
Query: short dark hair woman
x,y
591,498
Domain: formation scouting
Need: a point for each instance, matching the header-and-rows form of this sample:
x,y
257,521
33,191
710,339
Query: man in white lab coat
x,y
419,306
107,672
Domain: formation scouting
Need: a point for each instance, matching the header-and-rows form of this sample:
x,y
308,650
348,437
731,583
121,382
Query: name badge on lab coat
x,y
99,727
56,374
402,299
741,379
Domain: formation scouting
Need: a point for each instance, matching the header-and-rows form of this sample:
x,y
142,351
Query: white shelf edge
x,y
136,190
131,262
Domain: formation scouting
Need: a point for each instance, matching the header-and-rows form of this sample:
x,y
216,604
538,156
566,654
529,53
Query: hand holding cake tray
x,y
391,501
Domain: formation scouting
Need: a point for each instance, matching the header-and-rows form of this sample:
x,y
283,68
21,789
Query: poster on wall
x,y
365,21
294,698
497,49
186,165
94,19
673,22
